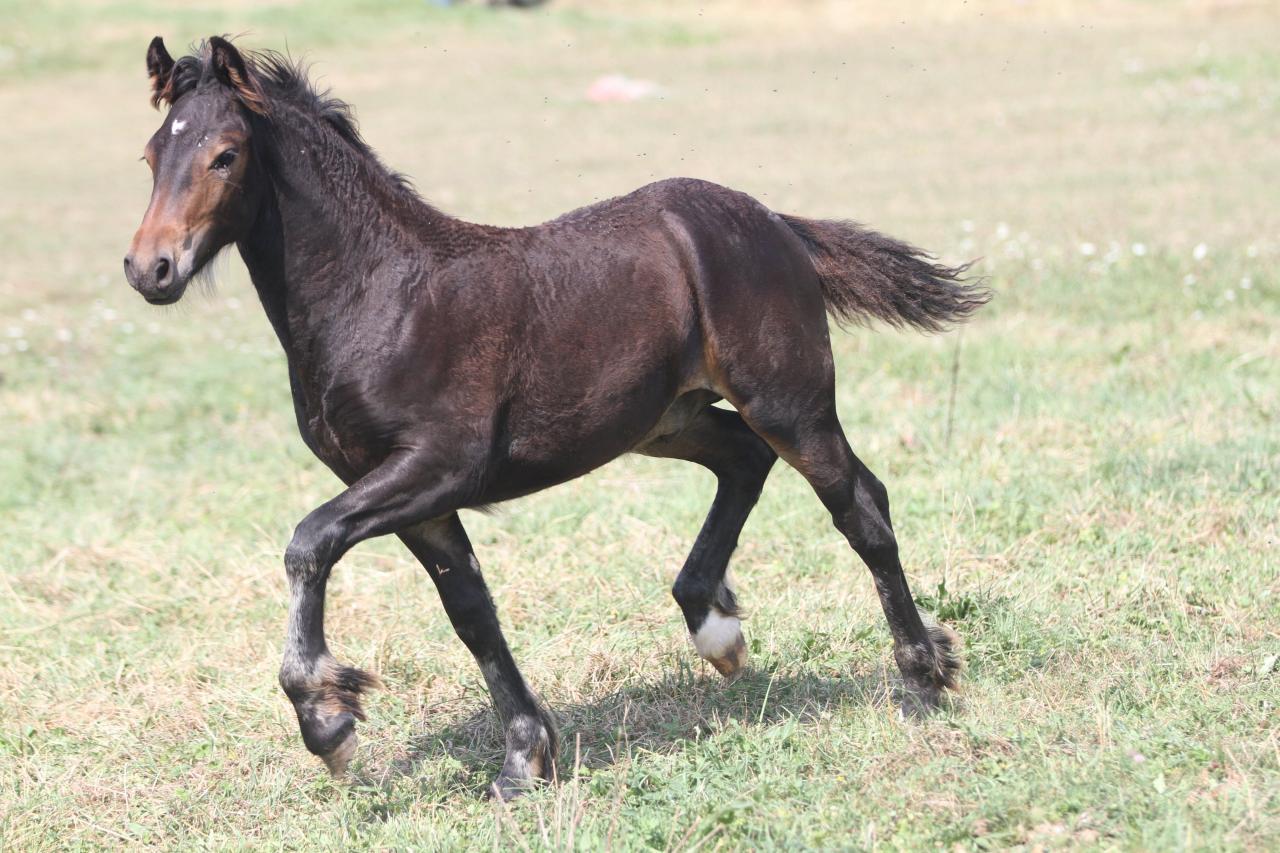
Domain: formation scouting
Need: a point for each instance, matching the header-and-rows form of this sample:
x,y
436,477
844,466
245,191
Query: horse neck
x,y
331,220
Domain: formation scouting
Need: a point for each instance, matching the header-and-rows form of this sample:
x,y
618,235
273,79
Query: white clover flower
x,y
1002,231
1138,249
14,331
63,335
1229,295
1088,249
29,316
966,225
1252,251
1246,283
21,345
1200,251
1188,279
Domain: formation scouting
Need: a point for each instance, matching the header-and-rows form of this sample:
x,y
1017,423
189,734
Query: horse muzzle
x,y
158,277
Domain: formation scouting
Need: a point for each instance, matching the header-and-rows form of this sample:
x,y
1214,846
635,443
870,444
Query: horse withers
x,y
437,364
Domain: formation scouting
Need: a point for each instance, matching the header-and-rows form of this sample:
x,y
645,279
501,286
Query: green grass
x,y
1101,524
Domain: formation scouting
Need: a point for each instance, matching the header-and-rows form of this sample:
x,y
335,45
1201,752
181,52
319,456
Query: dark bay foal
x,y
438,365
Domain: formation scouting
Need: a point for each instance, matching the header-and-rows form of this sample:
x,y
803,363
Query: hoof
x,y
506,788
929,672
917,703
719,642
327,703
731,663
947,662
531,757
340,756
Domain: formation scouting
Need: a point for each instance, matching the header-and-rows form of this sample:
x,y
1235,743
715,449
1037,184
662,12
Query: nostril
x,y
162,270
128,263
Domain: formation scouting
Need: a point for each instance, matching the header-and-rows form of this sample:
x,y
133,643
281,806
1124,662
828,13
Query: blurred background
x,y
1085,480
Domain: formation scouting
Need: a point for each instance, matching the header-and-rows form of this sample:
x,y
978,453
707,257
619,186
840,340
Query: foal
x,y
437,364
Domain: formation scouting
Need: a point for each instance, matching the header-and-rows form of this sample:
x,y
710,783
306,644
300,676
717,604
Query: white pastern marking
x,y
718,634
178,127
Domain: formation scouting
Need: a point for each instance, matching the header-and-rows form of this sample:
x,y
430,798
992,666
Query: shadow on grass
x,y
663,717
690,704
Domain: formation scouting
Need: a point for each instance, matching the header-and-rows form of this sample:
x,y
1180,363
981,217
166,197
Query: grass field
x,y
1098,515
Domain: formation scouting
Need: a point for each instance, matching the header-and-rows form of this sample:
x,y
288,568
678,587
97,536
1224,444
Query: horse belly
x,y
575,413
548,446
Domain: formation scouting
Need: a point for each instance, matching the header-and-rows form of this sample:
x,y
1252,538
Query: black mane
x,y
283,81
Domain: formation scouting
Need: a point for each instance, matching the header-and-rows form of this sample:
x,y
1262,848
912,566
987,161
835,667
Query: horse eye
x,y
224,160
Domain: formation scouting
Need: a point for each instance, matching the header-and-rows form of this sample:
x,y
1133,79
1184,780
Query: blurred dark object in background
x,y
519,4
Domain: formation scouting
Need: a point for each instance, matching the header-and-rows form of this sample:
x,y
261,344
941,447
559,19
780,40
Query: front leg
x,y
445,552
325,694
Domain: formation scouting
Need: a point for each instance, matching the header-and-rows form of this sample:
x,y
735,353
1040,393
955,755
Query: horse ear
x,y
159,67
232,71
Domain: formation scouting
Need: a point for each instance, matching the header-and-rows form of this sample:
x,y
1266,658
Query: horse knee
x,y
870,487
865,522
315,546
874,542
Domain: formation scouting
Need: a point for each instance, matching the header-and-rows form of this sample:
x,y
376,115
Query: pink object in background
x,y
619,87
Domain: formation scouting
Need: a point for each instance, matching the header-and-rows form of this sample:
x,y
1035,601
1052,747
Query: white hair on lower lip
x,y
177,127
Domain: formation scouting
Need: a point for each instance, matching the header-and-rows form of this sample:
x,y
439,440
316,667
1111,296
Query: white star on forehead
x,y
177,127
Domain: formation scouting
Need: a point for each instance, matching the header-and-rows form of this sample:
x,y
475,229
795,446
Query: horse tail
x,y
866,275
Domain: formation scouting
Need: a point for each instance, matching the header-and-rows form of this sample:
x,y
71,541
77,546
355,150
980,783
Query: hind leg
x,y
719,441
815,445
